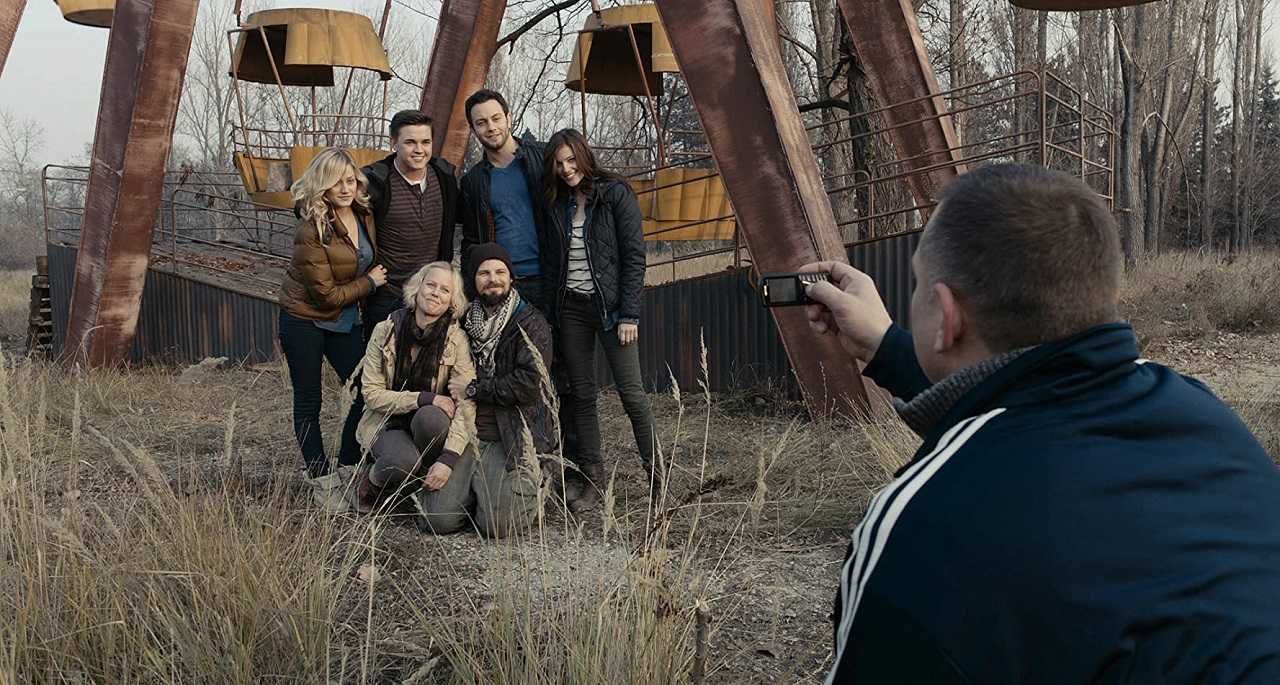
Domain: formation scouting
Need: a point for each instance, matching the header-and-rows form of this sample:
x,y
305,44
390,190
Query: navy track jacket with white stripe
x,y
1079,516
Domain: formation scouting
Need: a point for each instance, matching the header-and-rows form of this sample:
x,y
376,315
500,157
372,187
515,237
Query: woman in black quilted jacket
x,y
596,263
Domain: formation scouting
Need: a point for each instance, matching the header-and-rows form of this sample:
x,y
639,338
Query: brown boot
x,y
567,487
593,485
364,496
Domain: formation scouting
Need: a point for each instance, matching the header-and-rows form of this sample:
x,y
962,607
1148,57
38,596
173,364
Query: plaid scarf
x,y
485,330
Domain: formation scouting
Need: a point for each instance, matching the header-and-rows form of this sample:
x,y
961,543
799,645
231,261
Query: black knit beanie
x,y
479,254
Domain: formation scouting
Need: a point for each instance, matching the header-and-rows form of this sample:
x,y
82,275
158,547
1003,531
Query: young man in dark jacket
x,y
511,346
414,197
501,202
1075,513
502,196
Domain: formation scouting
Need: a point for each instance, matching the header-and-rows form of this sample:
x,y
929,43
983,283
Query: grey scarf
x,y
485,330
927,408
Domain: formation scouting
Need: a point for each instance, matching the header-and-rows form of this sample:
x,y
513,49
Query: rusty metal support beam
x,y
10,13
466,36
887,37
141,86
729,53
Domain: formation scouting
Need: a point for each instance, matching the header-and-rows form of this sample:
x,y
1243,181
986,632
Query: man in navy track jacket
x,y
1075,513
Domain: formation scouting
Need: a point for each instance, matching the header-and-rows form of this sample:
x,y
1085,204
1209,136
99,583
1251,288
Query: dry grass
x,y
1262,415
1191,294
15,300
155,530
143,582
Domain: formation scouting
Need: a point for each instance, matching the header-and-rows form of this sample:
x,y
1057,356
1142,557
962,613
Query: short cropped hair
x,y
408,117
457,300
1033,253
485,95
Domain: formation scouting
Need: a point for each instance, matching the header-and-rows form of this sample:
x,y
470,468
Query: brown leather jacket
x,y
321,279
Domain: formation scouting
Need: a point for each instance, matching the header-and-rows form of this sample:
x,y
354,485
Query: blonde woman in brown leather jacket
x,y
332,270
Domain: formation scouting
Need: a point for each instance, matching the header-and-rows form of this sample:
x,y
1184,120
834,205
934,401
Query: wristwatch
x,y
471,389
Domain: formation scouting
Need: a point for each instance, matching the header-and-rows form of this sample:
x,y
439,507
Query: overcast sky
x,y
54,74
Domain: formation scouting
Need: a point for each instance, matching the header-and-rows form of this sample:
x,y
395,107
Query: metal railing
x,y
208,224
315,130
1028,116
204,226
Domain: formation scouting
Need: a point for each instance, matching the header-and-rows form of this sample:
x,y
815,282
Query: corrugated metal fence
x,y
741,339
185,319
182,319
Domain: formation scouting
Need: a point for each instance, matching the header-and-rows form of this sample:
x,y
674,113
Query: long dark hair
x,y
554,187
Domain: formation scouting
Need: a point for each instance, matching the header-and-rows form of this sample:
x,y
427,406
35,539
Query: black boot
x,y
656,482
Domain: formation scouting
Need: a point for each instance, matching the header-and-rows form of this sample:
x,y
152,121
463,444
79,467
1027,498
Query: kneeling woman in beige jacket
x,y
417,418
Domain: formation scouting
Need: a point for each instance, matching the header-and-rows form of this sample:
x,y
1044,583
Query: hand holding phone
x,y
844,302
789,289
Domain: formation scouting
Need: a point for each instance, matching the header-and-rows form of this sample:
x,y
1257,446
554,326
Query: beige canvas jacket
x,y
381,402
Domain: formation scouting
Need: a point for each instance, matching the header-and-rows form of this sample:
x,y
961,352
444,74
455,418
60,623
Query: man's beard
x,y
493,300
484,143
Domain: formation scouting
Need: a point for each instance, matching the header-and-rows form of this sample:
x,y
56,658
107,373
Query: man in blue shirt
x,y
501,202
1075,513
502,195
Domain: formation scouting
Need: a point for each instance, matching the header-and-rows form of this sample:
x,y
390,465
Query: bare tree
x,y
21,141
1208,105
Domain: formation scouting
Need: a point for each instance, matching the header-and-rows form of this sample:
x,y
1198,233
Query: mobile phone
x,y
788,289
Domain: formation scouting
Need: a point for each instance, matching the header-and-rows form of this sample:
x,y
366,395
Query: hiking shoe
x,y
327,491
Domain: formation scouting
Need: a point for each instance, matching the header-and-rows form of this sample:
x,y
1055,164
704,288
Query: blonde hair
x,y
324,172
458,300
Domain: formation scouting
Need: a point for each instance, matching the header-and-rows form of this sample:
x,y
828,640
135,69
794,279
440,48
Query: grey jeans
x,y
408,445
481,489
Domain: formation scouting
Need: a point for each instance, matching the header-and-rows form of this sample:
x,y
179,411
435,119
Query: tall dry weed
x,y
1190,294
142,583
562,605
15,301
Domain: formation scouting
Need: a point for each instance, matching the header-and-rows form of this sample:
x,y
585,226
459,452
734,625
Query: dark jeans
x,y
378,306
580,327
534,290
305,347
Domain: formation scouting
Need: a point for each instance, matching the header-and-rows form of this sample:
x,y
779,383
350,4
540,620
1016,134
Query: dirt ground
x,y
767,559
769,581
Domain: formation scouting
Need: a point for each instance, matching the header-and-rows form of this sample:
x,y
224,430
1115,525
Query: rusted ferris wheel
x,y
726,51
